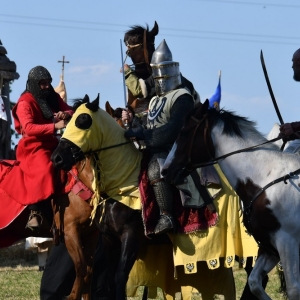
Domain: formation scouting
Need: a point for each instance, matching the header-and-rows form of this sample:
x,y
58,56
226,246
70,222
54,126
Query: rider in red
x,y
38,114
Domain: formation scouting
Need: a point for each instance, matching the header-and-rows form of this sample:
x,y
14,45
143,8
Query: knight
x,y
166,114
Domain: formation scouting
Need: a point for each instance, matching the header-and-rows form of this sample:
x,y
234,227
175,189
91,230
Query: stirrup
x,y
35,220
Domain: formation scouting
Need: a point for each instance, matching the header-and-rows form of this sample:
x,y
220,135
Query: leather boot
x,y
35,220
165,224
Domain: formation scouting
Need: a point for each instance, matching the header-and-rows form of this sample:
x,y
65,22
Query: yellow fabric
x,y
185,286
200,259
227,239
130,196
120,166
133,84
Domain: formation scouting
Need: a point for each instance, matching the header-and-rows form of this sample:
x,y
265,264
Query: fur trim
x,y
143,87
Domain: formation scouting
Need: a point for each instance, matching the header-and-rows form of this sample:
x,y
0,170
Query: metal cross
x,y
63,61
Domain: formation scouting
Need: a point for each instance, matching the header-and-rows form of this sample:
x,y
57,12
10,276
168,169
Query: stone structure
x,y
8,72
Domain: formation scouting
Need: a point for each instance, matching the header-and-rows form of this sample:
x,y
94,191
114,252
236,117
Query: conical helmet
x,y
165,71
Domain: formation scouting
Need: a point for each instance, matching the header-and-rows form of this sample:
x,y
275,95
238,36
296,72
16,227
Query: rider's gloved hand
x,y
137,133
288,131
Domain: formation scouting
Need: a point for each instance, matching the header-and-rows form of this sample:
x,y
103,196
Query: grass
x,y
20,278
19,275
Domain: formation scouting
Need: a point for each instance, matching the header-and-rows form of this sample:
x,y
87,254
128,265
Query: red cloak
x,y
32,179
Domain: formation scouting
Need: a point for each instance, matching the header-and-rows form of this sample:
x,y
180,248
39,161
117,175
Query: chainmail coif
x,y
35,75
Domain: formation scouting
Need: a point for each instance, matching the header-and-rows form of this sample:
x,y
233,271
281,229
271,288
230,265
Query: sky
x,y
204,36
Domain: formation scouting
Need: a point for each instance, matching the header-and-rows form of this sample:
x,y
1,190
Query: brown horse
x,y
140,47
140,43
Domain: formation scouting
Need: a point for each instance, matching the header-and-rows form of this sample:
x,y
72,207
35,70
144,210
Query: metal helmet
x,y
165,71
35,75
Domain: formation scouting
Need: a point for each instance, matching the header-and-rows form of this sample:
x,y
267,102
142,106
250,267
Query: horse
x,y
265,178
140,43
116,209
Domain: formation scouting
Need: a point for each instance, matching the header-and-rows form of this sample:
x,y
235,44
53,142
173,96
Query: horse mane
x,y
235,125
78,101
136,30
135,35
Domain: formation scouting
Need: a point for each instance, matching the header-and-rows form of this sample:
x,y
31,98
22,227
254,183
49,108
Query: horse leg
x,y
264,264
89,246
129,252
74,246
247,295
288,249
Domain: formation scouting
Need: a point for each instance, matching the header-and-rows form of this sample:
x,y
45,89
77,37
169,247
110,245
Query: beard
x,y
296,76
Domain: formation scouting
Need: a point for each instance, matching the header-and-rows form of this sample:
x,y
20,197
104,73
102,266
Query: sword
x,y
125,98
270,88
124,86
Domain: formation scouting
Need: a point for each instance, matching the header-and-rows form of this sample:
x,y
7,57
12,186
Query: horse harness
x,y
145,49
79,155
189,167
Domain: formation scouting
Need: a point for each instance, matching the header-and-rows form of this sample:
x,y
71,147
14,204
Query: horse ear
x,y
154,30
93,106
86,99
109,109
205,106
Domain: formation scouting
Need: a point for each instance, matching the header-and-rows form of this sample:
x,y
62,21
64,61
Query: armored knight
x,y
167,111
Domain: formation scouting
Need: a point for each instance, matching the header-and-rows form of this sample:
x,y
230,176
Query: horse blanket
x,y
191,255
10,208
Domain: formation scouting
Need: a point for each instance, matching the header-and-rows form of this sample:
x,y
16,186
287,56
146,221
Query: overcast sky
x,y
205,36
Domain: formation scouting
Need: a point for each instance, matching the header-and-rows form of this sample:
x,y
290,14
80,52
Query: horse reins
x,y
215,160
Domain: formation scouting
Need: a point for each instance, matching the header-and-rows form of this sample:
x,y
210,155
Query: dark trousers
x,y
59,274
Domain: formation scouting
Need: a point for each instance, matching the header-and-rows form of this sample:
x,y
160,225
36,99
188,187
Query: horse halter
x,y
189,167
145,50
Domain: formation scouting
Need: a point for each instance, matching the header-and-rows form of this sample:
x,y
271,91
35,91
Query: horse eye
x,y
83,121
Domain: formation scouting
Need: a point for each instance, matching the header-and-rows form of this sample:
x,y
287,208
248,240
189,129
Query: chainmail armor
x,y
35,75
162,189
161,139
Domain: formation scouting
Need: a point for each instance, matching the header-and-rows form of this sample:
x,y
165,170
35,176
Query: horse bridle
x,y
189,167
145,49
79,155
210,149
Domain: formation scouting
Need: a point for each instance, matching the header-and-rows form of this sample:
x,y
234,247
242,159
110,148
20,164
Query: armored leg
x,y
164,198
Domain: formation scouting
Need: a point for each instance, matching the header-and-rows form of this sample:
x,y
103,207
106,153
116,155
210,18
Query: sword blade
x,y
270,88
123,72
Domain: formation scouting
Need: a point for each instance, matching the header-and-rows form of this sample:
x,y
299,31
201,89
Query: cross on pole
x,y
63,62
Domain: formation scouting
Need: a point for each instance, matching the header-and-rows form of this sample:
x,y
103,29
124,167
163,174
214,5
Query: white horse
x,y
266,179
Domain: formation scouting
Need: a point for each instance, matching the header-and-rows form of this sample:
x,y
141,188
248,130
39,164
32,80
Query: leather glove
x,y
137,133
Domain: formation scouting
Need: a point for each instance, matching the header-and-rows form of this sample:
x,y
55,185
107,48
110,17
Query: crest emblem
x,y
229,260
213,263
190,267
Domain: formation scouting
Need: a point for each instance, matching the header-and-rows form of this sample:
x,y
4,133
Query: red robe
x,y
32,180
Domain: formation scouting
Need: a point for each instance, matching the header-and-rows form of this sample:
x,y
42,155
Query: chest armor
x,y
160,107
